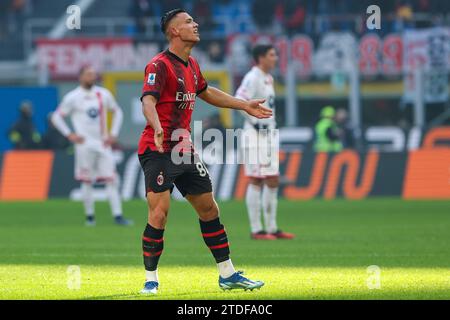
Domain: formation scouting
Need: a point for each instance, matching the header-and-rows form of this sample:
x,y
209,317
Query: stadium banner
x,y
428,49
65,57
388,56
306,175
26,175
420,174
331,52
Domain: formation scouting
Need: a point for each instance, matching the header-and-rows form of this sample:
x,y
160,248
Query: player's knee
x,y
210,211
158,217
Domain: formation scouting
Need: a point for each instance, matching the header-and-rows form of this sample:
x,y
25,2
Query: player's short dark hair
x,y
169,15
260,50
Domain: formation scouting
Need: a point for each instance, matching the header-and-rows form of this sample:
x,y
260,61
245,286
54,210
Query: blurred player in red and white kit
x,y
262,190
87,107
172,82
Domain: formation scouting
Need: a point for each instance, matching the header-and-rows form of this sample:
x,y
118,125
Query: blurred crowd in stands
x,y
12,16
274,16
220,18
297,16
288,17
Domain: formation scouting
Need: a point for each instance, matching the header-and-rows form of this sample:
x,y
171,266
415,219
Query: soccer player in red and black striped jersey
x,y
172,82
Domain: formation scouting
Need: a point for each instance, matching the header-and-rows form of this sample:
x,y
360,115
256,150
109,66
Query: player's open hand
x,y
159,138
74,138
256,109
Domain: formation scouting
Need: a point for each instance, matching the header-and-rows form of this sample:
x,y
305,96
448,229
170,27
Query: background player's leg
x,y
270,203
253,202
213,231
114,197
106,168
84,162
115,203
152,239
88,201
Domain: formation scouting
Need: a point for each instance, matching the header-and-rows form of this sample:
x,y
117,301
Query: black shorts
x,y
161,173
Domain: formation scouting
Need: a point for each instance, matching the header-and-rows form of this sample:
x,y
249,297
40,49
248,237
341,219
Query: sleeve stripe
x,y
201,90
150,93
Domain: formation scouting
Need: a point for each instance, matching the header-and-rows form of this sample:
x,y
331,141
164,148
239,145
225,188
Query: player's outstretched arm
x,y
222,99
149,110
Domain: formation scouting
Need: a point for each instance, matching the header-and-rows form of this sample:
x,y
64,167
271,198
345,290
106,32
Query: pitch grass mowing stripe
x,y
336,242
193,282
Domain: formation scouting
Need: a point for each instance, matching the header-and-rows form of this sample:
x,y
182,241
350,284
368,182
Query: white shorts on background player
x,y
260,152
87,110
93,163
259,85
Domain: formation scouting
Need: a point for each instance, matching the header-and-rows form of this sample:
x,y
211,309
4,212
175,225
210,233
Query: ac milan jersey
x,y
175,84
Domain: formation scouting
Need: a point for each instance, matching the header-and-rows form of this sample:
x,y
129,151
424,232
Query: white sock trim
x,y
115,202
270,204
253,202
87,192
226,268
151,275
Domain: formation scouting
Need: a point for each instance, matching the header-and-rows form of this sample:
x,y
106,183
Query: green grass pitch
x,y
336,241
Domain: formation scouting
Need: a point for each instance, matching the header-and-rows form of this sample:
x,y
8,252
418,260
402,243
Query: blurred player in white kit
x,y
262,191
87,106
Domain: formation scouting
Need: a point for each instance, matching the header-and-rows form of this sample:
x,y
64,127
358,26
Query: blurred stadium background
x,y
390,87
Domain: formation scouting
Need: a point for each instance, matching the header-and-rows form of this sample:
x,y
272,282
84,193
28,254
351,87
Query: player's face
x,y
88,77
187,28
269,61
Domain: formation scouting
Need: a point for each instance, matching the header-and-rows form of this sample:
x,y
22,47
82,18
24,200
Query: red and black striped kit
x,y
152,246
216,239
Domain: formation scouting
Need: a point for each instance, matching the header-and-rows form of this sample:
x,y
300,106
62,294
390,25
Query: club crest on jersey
x,y
160,179
151,79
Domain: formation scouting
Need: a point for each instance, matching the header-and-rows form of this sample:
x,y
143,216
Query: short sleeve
x,y
247,88
66,106
202,84
155,79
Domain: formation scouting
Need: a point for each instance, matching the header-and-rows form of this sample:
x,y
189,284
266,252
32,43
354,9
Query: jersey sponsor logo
x,y
151,79
187,100
181,96
92,112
